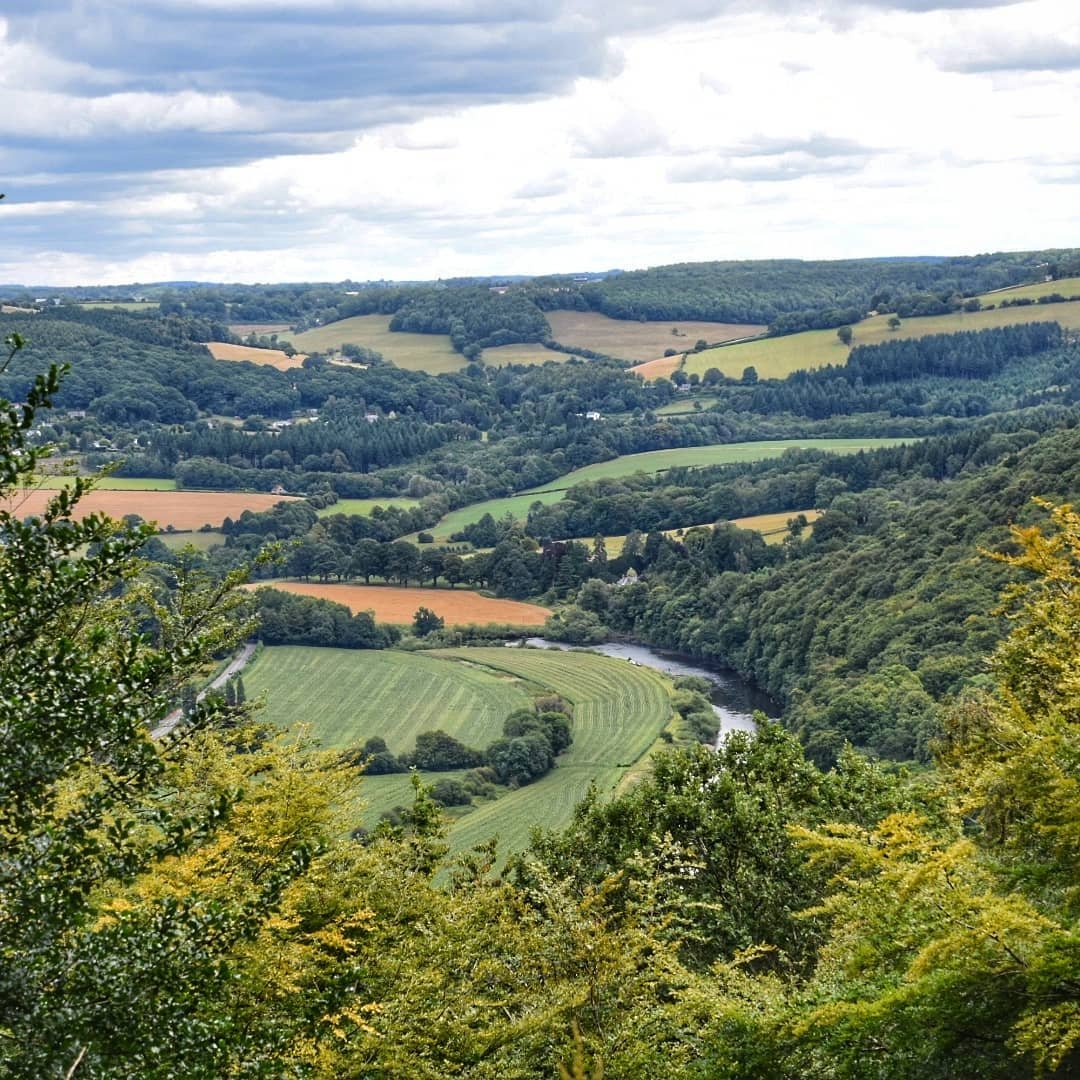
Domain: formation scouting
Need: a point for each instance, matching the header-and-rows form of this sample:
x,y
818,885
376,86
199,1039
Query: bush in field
x,y
450,792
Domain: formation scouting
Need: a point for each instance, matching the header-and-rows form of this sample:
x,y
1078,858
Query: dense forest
x,y
197,904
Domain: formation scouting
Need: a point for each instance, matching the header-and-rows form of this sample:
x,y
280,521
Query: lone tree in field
x,y
894,322
425,622
845,334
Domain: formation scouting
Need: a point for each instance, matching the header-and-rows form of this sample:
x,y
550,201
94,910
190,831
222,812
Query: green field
x,y
523,354
112,483
363,507
778,357
682,406
1066,287
653,461
629,339
126,305
201,541
650,462
347,696
415,352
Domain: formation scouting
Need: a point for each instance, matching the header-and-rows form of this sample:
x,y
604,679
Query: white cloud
x,y
802,136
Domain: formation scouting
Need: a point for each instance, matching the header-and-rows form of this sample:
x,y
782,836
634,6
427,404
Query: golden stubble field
x,y
398,605
275,358
180,509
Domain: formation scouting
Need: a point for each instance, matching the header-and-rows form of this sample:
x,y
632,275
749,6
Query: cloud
x,y
1032,54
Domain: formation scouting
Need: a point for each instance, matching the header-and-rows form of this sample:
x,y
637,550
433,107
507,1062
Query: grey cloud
x,y
1034,54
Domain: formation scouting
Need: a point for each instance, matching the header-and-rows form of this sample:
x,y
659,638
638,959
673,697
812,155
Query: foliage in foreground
x,y
194,906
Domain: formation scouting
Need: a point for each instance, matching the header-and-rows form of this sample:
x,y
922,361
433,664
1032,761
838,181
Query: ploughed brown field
x,y
275,358
180,509
397,605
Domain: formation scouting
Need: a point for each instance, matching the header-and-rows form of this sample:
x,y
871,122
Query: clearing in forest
x,y
629,339
393,604
275,358
414,352
651,461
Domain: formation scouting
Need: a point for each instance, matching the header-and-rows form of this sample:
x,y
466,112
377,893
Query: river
x,y
734,699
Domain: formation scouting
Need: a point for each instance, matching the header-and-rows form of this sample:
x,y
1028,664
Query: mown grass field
x,y
684,405
651,461
363,507
348,696
394,604
631,340
113,483
778,357
1067,287
201,541
126,305
415,352
528,353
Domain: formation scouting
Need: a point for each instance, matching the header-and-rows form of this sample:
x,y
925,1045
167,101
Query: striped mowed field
x,y
348,696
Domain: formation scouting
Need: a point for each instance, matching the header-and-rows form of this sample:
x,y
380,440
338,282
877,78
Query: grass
x,y
201,541
523,354
773,527
112,483
348,696
363,507
653,461
638,341
414,352
126,305
684,405
1066,287
517,506
778,357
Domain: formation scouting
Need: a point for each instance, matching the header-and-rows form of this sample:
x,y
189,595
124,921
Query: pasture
x,y
517,506
259,329
349,696
529,353
275,358
363,507
180,509
1067,287
112,483
778,357
653,461
393,604
201,541
414,352
124,305
632,340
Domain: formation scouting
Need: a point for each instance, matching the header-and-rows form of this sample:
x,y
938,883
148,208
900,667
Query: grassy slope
x,y
1066,287
347,696
523,354
112,483
652,461
777,357
619,711
415,352
638,341
201,541
773,527
363,507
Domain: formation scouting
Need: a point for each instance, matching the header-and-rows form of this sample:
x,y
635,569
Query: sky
x,y
319,140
